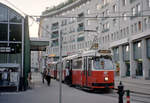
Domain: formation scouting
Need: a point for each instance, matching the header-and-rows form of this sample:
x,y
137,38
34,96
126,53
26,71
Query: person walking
x,y
29,80
48,77
43,75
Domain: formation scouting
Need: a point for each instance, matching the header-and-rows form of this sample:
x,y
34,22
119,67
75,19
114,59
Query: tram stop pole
x,y
120,92
60,68
128,96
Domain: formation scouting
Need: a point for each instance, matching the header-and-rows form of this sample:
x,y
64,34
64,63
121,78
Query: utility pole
x,y
60,68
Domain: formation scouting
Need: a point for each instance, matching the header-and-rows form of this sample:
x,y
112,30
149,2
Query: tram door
x,y
86,73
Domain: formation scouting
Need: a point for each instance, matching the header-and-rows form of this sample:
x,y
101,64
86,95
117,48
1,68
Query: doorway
x,y
127,69
139,70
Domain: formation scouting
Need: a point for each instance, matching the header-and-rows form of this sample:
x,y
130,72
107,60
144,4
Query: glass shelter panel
x,y
3,32
14,17
15,56
3,14
15,32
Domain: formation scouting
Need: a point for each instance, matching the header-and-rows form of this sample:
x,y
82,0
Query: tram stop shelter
x,y
10,76
38,44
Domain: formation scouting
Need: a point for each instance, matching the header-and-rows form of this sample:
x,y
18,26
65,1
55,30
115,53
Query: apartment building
x,y
120,25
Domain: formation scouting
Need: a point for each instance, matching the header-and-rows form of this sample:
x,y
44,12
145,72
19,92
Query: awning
x,y
38,44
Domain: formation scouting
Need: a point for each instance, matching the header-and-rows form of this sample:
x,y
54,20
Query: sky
x,y
33,7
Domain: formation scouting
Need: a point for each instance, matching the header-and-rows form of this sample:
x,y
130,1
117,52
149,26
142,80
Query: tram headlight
x,y
106,78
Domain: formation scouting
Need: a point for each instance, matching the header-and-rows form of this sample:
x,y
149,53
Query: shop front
x,y
138,58
126,59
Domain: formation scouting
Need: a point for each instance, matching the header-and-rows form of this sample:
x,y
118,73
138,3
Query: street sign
x,y
6,50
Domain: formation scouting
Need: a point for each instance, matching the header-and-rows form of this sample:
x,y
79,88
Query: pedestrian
x,y
29,80
43,75
48,77
67,76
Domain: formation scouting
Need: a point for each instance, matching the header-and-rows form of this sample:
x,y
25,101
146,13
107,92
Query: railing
x,y
105,30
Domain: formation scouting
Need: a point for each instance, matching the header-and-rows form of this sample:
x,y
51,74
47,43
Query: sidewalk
x,y
134,84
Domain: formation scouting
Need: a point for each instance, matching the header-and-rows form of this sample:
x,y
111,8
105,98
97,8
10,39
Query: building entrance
x,y
127,69
139,70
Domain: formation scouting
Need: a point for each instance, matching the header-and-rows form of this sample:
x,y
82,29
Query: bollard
x,y
120,92
128,96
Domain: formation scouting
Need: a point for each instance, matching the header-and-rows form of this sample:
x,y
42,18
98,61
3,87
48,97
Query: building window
x,y
133,11
148,3
138,8
148,47
132,29
124,2
124,16
139,44
98,6
127,30
135,27
137,50
3,32
107,12
145,23
88,22
127,48
139,26
3,14
114,8
114,22
88,11
131,1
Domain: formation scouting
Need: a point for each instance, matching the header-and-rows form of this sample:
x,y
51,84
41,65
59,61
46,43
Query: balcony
x,y
131,1
80,39
80,19
80,29
54,44
105,30
54,27
54,36
103,6
139,14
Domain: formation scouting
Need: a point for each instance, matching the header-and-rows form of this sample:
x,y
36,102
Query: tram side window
x,y
77,64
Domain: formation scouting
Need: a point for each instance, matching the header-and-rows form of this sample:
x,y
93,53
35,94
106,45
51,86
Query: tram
x,y
53,66
91,69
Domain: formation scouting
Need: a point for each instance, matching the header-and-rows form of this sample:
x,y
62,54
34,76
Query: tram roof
x,y
71,57
96,53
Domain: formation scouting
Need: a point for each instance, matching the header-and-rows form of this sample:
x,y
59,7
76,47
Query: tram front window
x,y
103,64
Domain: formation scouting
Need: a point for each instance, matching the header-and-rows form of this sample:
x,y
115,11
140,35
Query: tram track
x,y
134,97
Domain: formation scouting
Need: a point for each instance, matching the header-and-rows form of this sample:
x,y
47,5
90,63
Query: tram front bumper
x,y
103,85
